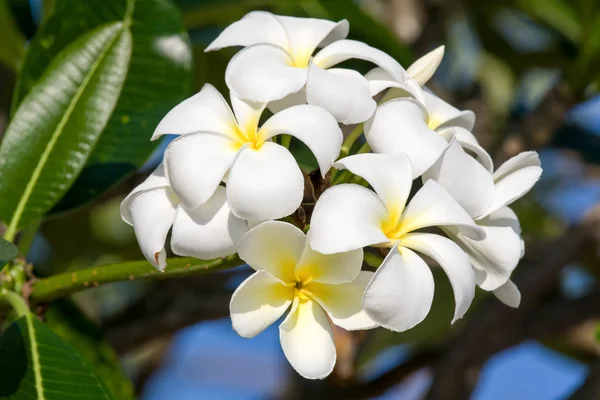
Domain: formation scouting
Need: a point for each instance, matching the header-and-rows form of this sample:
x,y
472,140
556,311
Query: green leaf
x,y
8,251
158,77
12,45
68,322
558,14
37,364
365,28
59,122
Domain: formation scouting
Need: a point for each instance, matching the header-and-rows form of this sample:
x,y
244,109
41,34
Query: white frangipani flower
x,y
421,130
348,217
263,179
206,232
319,288
278,63
486,197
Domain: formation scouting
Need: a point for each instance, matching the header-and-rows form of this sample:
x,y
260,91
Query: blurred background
x,y
529,69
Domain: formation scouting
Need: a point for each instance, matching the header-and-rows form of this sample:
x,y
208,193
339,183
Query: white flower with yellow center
x,y
486,197
317,289
278,63
348,217
263,179
206,232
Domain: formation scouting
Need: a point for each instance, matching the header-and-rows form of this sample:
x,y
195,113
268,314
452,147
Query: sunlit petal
x,y
329,268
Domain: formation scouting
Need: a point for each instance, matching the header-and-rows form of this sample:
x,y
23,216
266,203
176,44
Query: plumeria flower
x,y
486,197
278,63
348,217
317,289
263,179
206,232
421,130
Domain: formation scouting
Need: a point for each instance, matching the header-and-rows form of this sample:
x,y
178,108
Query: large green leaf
x,y
67,321
37,364
59,122
12,45
158,77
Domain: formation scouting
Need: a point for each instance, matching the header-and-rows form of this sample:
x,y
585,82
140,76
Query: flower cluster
x,y
227,178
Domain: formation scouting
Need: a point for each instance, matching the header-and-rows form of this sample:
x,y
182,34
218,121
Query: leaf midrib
x,y
35,358
14,222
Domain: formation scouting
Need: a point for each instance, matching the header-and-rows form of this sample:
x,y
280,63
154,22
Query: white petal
x,y
306,34
465,179
329,268
399,126
442,114
209,231
401,292
263,73
275,247
455,263
389,175
195,165
265,183
258,302
255,27
498,254
423,69
314,126
379,80
347,217
432,205
343,303
515,178
247,113
509,294
205,111
307,340
342,92
157,179
293,99
152,214
343,50
468,141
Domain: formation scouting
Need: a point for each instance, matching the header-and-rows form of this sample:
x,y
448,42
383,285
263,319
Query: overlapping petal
x,y
343,303
314,126
208,231
258,302
468,142
307,340
196,163
329,268
442,114
342,92
206,111
347,217
455,263
264,183
432,205
399,126
469,183
401,292
509,294
275,247
389,175
264,73
157,179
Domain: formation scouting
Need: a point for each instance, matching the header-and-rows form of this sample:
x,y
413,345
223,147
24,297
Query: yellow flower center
x,y
433,122
248,134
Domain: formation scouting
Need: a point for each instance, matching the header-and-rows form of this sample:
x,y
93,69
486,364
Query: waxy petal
x,y
468,142
423,69
157,179
342,92
258,302
329,268
508,294
209,231
443,115
455,263
312,125
343,303
400,294
275,247
399,126
307,340
265,183
347,217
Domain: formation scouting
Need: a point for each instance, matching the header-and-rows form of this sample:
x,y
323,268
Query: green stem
x,y
15,301
286,140
373,259
350,139
365,148
48,289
